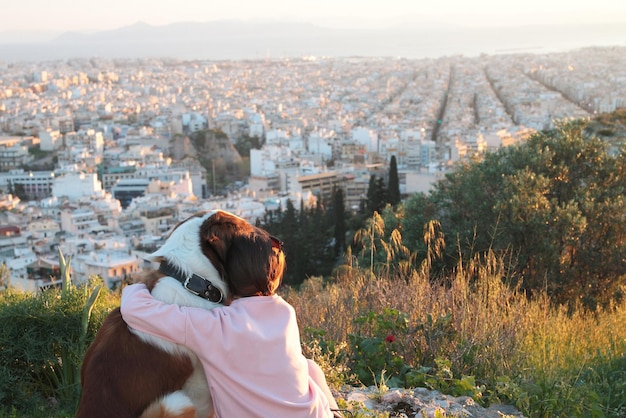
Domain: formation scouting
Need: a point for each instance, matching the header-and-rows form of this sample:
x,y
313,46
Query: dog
x,y
128,373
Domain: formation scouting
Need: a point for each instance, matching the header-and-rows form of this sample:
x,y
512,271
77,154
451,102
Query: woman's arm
x,y
144,313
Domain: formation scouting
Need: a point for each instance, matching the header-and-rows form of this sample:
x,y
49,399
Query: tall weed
x,y
545,359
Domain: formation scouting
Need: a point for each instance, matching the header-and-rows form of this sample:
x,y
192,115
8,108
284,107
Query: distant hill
x,y
220,40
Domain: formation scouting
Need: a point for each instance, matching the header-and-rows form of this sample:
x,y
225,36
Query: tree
x,y
381,194
245,143
393,186
376,194
306,234
372,197
290,233
555,202
339,213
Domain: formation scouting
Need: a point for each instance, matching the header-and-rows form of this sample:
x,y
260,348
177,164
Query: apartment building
x,y
320,184
81,222
14,156
112,266
125,190
110,176
31,184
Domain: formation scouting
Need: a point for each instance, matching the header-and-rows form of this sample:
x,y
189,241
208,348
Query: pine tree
x,y
371,196
393,186
376,194
340,221
291,235
381,194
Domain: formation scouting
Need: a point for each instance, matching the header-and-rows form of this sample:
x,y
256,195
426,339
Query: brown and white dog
x,y
127,373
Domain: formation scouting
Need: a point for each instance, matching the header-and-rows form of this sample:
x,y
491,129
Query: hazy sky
x,y
91,15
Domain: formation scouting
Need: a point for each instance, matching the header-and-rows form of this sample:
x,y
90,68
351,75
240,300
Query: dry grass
x,y
484,326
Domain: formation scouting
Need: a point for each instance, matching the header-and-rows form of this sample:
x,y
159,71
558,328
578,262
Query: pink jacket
x,y
250,351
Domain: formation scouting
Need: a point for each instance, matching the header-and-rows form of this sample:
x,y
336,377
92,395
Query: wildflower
x,y
390,338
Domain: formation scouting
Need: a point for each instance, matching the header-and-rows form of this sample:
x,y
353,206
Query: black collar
x,y
197,285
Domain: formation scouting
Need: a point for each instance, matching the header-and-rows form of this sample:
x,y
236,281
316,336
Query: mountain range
x,y
219,40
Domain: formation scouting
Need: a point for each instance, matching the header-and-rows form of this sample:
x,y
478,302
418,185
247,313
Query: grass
x,y
544,359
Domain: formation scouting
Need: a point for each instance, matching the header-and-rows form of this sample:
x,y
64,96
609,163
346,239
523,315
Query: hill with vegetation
x,y
505,284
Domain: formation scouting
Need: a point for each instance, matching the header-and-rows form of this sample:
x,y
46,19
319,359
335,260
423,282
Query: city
x,y
121,169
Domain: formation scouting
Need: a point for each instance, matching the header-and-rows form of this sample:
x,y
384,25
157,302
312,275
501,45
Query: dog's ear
x,y
216,236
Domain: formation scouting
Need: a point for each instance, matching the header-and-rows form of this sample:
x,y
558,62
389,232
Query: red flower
x,y
390,338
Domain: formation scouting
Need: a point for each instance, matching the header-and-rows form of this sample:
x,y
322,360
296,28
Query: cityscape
x,y
97,160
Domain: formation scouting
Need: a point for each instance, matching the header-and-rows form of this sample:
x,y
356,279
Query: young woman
x,y
251,349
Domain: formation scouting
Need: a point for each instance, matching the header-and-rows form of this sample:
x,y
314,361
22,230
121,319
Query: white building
x,y
77,185
50,140
366,137
43,228
112,266
318,145
17,259
80,221
264,161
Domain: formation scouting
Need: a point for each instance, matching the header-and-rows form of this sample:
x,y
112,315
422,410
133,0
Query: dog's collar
x,y
197,285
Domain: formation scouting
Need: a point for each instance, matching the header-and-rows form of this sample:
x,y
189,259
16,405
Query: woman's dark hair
x,y
255,264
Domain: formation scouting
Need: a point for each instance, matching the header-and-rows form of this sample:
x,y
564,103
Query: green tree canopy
x,y
307,235
555,203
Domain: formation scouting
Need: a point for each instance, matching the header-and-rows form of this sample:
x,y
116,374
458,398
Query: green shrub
x,y
606,377
374,347
43,339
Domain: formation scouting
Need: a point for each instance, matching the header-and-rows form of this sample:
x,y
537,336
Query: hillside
x,y
610,126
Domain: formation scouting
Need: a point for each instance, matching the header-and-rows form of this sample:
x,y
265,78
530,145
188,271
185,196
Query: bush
x,y
43,339
374,348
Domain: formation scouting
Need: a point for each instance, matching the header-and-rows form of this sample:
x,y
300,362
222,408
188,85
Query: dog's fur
x,y
127,373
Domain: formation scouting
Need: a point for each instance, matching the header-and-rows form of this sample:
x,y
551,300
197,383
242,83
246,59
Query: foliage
x,y
368,237
330,356
607,375
245,143
374,348
442,379
609,126
556,202
473,332
42,342
376,194
339,212
37,153
393,186
307,236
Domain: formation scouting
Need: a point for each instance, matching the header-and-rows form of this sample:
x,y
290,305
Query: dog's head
x,y
221,247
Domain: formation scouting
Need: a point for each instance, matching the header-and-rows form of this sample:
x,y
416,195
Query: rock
x,y
393,396
422,402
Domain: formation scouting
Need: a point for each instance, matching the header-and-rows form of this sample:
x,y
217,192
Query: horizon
x,y
447,27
